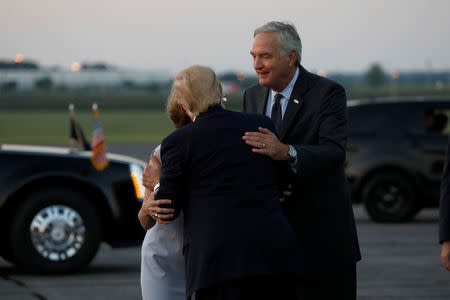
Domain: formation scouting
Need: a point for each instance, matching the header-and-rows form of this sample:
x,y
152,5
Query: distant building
x,y
91,77
12,65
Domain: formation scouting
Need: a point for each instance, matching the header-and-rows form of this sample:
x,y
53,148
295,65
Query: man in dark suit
x,y
309,113
238,243
444,212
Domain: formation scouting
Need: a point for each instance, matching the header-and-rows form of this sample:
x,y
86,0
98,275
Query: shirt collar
x,y
212,109
288,89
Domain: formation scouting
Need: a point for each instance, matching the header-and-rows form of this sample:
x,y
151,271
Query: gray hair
x,y
288,36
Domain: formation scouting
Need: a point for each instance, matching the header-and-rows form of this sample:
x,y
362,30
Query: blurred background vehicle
x,y
395,156
56,208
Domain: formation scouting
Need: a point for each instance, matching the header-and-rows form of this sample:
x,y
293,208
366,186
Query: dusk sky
x,y
344,35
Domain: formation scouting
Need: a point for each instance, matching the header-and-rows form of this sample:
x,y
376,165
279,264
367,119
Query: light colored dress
x,y
162,261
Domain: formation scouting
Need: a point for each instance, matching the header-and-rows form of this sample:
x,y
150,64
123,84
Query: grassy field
x,y
53,126
57,100
42,117
106,100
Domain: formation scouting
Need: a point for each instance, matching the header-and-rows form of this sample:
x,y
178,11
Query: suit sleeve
x,y
444,207
329,153
172,181
244,102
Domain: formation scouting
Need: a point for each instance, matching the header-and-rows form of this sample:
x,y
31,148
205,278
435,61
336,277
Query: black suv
x,y
56,208
395,155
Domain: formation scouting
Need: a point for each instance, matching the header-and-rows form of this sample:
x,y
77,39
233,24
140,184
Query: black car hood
x,y
64,151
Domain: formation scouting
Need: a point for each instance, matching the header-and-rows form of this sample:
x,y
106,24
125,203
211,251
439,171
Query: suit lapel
x,y
262,93
295,102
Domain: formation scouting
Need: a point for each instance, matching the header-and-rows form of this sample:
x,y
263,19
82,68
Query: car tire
x,y
7,255
55,230
390,197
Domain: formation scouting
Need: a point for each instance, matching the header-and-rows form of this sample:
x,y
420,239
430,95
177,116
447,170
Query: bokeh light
x,y
240,76
322,73
19,58
395,74
75,66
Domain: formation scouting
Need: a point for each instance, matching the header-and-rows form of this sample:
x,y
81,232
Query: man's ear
x,y
292,57
180,105
187,112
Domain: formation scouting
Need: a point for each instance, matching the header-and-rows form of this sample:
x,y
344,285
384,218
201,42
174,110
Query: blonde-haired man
x,y
238,243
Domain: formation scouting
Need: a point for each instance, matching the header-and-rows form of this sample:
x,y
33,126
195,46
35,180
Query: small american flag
x,y
98,158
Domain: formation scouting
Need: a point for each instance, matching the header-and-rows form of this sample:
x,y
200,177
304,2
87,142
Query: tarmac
x,y
399,261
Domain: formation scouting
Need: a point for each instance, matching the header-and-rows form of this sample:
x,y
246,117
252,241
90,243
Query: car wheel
x,y
390,197
55,230
7,255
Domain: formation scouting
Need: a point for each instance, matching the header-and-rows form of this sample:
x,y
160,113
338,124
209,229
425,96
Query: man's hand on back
x,y
266,142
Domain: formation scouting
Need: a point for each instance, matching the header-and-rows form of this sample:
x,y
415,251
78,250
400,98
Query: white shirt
x,y
286,93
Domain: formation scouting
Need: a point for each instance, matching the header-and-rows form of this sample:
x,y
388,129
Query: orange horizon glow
x,y
19,58
75,66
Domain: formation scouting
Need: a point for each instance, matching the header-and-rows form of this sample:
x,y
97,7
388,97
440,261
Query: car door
x,y
431,139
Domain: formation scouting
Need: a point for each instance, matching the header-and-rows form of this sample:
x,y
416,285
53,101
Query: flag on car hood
x,y
98,158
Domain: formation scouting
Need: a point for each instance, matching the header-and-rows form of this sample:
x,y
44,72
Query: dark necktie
x,y
276,115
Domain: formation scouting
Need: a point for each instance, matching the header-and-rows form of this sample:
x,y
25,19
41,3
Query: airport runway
x,y
400,261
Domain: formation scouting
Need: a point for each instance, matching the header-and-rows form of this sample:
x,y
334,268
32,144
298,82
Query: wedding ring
x,y
156,215
264,145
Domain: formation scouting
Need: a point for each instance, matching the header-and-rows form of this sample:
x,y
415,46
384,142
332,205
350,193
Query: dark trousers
x,y
339,286
260,288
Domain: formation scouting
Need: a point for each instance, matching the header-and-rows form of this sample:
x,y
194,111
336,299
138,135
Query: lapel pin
x,y
296,101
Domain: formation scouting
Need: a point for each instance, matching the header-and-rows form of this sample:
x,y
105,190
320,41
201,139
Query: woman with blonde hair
x,y
162,263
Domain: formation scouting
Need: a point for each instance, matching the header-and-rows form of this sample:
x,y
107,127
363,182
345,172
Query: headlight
x,y
136,176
